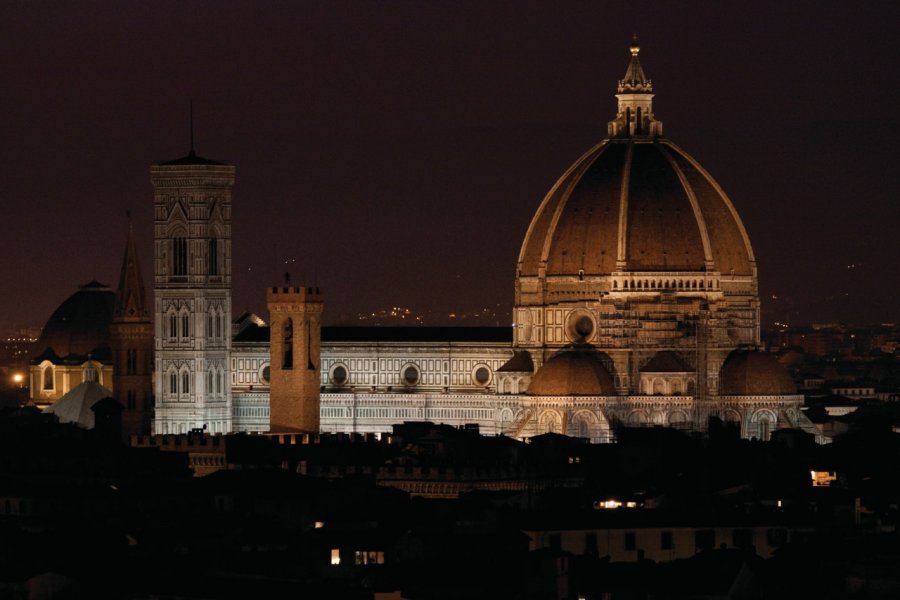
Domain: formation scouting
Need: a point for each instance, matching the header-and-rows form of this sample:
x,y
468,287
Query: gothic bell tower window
x,y
213,256
179,256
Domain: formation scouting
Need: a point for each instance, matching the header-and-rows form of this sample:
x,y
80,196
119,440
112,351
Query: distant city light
x,y
613,503
18,378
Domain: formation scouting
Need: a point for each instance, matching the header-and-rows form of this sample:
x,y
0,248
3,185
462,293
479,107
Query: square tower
x,y
295,315
192,283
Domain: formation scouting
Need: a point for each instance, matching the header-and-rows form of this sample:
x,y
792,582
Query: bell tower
x,y
131,341
192,279
295,315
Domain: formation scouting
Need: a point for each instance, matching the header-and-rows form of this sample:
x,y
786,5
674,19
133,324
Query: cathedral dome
x,y
81,324
635,205
752,373
635,202
572,373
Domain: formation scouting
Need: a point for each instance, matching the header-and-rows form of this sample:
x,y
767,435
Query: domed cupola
x,y
636,224
576,372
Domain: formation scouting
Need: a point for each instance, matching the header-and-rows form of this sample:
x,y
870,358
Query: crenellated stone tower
x,y
295,315
131,342
192,265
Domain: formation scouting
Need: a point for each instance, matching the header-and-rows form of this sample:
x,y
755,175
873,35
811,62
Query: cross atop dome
x,y
634,118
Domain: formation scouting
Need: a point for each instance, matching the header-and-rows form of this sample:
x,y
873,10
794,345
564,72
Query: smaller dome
x,y
572,373
752,373
81,324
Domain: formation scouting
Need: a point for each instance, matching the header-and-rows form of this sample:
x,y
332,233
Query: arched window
x,y
173,326
213,256
173,383
218,325
131,360
185,383
288,344
179,256
209,324
48,378
220,388
185,326
209,382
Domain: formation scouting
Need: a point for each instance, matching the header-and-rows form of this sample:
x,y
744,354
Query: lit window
x,y
48,378
335,556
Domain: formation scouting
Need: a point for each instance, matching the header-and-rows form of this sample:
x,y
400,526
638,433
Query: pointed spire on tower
x,y
131,299
634,118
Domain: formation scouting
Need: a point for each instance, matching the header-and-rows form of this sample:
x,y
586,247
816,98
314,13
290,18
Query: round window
x,y
482,375
339,375
584,327
265,374
410,375
580,326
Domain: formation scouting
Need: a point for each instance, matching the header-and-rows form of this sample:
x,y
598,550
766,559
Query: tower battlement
x,y
294,294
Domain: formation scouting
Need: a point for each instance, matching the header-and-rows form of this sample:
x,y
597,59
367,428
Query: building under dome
x,y
635,283
74,339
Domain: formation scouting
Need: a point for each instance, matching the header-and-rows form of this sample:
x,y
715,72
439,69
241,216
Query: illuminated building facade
x,y
636,303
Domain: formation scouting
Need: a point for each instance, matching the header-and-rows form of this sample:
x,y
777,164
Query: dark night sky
x,y
399,149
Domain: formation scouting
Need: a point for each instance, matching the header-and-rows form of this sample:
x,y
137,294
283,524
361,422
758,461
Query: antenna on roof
x,y
191,111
